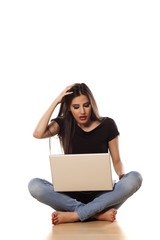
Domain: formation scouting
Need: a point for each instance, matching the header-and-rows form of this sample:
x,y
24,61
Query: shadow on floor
x,y
94,230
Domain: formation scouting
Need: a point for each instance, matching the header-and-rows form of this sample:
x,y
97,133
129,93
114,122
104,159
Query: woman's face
x,y
81,109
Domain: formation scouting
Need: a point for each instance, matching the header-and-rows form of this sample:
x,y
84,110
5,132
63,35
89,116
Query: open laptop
x,y
81,172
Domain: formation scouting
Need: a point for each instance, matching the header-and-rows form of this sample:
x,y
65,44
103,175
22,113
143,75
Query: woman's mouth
x,y
82,118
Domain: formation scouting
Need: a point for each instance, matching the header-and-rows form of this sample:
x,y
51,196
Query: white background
x,y
112,46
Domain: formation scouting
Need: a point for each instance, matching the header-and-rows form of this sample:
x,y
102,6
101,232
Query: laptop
x,y
81,172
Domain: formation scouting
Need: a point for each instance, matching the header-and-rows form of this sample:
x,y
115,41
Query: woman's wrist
x,y
56,102
121,176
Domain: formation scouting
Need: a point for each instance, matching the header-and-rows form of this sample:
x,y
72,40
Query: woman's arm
x,y
43,130
117,163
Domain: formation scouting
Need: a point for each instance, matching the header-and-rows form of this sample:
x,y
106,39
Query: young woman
x,y
81,130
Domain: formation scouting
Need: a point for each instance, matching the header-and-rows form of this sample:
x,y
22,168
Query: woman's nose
x,y
82,110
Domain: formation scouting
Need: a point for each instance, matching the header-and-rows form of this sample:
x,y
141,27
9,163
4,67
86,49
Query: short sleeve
x,y
112,130
59,120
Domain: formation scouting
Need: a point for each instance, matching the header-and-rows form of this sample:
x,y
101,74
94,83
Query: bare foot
x,y
109,215
64,217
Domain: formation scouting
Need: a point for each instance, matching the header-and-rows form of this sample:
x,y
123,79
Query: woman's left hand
x,y
121,176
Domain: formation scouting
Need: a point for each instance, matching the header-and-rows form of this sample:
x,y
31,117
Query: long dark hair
x,y
67,132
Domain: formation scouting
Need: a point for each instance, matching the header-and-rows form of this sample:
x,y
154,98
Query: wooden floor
x,y
138,228
94,230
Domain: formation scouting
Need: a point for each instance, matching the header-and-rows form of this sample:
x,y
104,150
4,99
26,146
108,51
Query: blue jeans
x,y
88,203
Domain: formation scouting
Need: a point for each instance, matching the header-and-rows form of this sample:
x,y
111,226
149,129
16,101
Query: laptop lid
x,y
81,172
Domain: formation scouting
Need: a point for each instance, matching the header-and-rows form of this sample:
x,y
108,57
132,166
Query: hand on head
x,y
64,93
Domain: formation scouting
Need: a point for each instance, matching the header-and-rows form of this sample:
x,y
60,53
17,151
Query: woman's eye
x,y
87,105
76,107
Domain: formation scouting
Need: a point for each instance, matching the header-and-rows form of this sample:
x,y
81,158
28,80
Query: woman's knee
x,y
35,187
135,179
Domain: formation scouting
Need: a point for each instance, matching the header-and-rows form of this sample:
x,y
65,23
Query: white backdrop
x,y
112,46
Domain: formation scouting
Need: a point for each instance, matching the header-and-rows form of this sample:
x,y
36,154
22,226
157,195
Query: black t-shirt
x,y
94,141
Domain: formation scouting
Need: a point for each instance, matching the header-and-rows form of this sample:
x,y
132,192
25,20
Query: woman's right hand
x,y
65,92
44,129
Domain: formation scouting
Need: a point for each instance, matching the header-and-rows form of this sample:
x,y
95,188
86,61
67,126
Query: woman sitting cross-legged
x,y
81,130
